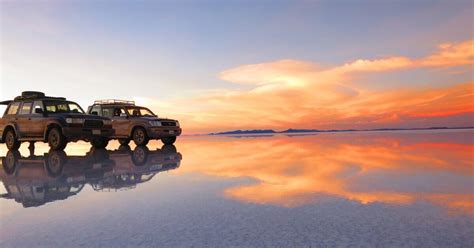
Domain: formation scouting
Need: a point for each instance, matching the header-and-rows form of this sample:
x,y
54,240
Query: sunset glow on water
x,y
370,176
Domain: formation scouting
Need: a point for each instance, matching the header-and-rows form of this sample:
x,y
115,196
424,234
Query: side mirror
x,y
94,113
39,111
123,115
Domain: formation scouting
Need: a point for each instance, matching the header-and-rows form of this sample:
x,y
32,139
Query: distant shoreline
x,y
302,131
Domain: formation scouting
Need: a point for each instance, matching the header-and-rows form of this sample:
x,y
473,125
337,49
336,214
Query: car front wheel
x,y
11,140
168,140
140,137
99,142
124,142
140,155
56,139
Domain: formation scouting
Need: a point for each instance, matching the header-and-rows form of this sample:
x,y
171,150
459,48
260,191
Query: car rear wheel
x,y
168,140
11,140
124,142
140,137
99,142
56,139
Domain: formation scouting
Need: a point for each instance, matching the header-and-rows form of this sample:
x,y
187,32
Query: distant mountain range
x,y
292,130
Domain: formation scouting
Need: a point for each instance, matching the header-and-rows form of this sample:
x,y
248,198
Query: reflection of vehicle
x,y
36,117
36,180
138,166
136,123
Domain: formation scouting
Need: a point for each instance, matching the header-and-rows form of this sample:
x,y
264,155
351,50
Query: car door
x,y
11,113
23,120
37,119
95,110
119,120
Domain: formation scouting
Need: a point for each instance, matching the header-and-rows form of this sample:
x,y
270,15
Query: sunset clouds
x,y
302,94
415,71
408,66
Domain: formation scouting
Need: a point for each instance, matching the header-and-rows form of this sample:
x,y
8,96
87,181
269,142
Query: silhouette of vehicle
x,y
136,123
36,180
36,117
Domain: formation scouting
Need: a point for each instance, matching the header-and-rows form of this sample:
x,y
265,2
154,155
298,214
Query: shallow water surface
x,y
410,188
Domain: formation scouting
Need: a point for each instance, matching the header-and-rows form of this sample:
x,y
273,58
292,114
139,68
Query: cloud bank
x,y
302,94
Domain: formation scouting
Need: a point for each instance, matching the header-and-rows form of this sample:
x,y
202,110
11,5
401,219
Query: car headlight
x,y
155,123
107,122
74,121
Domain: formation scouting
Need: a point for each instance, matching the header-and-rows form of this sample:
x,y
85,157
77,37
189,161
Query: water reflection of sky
x,y
366,189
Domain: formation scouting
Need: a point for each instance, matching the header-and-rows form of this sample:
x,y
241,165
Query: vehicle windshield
x,y
140,112
62,107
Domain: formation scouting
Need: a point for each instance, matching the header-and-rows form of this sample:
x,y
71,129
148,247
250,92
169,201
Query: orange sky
x,y
250,66
301,94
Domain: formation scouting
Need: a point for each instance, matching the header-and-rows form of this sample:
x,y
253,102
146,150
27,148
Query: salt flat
x,y
369,189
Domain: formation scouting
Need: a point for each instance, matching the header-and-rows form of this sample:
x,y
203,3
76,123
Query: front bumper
x,y
79,133
161,132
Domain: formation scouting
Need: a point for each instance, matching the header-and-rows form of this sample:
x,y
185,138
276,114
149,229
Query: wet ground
x,y
361,189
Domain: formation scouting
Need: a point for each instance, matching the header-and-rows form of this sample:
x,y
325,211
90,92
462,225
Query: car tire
x,y
140,137
168,140
140,155
55,163
98,155
11,140
56,140
99,142
167,149
124,142
9,162
125,149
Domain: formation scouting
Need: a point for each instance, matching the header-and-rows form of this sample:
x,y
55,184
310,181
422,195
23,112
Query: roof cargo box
x,y
32,94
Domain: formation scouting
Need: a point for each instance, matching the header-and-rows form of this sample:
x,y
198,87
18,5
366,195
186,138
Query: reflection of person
x,y
31,148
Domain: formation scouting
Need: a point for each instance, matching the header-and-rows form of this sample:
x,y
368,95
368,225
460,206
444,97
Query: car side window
x,y
26,108
74,108
108,112
96,109
37,105
13,109
118,112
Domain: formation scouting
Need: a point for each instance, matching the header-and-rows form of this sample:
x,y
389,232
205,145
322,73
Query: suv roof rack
x,y
114,101
31,95
21,98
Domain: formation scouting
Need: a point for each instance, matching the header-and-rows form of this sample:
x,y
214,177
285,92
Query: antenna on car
x,y
114,101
